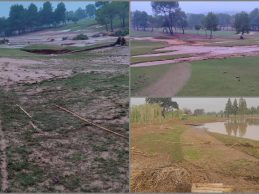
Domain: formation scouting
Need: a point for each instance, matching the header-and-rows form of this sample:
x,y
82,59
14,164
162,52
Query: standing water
x,y
241,127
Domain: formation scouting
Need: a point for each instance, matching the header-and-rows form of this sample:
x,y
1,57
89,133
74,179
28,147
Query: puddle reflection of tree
x,y
236,126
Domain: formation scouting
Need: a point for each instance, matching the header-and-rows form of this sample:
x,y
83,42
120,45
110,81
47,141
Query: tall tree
x,y
235,107
167,9
32,16
242,107
181,19
60,13
211,23
90,10
228,108
242,23
46,14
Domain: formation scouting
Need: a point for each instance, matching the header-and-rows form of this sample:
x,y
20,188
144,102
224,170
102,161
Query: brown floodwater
x,y
245,128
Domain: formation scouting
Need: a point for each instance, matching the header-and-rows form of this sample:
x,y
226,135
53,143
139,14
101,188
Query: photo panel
x,y
64,96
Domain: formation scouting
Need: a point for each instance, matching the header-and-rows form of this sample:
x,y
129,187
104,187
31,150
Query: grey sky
x,y
208,104
231,7
71,5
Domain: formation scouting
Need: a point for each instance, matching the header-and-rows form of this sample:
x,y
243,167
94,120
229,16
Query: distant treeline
x,y
169,16
22,20
239,108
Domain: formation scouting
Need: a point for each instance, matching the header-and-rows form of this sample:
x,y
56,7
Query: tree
x,y
197,28
211,23
254,19
195,19
167,9
166,103
242,106
101,18
3,26
90,10
123,13
80,13
242,23
60,13
46,14
181,19
198,112
228,108
235,107
224,20
32,16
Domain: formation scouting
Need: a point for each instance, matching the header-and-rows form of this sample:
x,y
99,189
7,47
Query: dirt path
x,y
221,163
4,173
170,84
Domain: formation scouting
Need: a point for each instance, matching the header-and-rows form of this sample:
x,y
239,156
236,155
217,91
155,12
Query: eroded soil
x,y
197,51
205,160
67,155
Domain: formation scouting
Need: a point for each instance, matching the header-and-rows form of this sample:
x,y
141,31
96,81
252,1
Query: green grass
x,y
192,153
135,60
208,78
164,143
80,25
248,146
141,77
140,33
215,33
140,47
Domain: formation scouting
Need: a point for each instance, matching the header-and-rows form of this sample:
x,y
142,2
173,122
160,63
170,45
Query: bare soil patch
x,y
170,84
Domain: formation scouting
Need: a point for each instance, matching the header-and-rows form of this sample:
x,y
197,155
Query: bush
x,y
81,37
123,32
64,38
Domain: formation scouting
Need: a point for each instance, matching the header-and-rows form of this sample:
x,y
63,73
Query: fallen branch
x,y
30,122
89,122
24,111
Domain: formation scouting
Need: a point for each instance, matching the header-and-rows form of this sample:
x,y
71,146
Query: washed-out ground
x,y
171,156
167,52
64,154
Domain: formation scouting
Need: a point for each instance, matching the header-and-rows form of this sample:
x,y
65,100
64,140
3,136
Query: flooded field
x,y
245,128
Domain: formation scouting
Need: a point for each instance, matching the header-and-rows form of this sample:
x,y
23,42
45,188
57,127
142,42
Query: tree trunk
x,y
183,29
211,34
111,24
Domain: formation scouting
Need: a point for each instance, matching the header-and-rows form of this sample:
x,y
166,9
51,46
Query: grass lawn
x,y
217,77
141,77
140,47
157,58
167,142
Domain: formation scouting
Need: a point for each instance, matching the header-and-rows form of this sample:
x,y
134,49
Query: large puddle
x,y
245,128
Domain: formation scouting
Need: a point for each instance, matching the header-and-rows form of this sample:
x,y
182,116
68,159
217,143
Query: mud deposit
x,y
66,155
162,164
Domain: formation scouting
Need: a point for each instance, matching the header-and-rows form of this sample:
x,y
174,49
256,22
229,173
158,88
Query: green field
x,y
141,47
216,77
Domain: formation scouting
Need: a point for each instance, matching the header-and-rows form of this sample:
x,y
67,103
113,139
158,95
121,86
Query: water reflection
x,y
239,127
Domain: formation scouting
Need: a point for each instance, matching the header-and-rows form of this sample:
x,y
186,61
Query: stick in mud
x,y
87,121
31,123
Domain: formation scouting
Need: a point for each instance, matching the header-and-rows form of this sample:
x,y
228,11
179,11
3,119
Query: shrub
x,y
81,37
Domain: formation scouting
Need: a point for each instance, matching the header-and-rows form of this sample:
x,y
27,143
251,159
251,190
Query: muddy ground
x,y
195,49
64,154
198,158
59,37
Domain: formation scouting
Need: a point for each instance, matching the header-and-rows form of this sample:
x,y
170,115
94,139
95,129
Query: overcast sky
x,y
203,6
71,5
208,104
